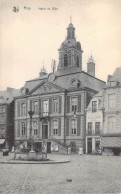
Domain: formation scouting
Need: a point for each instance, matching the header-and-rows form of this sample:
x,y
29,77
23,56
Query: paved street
x,y
89,174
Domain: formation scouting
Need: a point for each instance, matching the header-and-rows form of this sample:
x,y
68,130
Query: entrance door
x,y
44,131
89,145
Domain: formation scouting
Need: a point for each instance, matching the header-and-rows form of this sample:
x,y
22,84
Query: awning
x,y
2,141
111,142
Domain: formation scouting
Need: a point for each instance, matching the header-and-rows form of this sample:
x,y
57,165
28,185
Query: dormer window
x,y
94,106
65,60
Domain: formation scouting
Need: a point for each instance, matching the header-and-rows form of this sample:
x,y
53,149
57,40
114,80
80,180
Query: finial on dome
x,y
70,19
43,70
91,60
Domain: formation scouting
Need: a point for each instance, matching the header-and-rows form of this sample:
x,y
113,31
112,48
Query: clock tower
x,y
70,52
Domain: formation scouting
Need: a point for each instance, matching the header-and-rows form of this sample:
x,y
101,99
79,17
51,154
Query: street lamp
x,y
31,114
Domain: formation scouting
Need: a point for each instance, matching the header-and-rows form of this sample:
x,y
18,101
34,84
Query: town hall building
x,y
58,100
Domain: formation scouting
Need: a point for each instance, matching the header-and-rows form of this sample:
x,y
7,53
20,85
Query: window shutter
x,y
60,104
79,103
59,126
18,130
50,105
18,109
68,104
67,126
78,126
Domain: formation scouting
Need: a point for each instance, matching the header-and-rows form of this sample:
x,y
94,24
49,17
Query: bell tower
x,y
70,52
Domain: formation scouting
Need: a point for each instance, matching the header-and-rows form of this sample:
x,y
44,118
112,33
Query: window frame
x,y
94,106
55,127
73,126
74,107
35,128
90,128
23,109
56,105
23,128
65,60
36,107
97,127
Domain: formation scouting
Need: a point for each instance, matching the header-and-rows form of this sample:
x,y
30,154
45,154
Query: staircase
x,y
62,148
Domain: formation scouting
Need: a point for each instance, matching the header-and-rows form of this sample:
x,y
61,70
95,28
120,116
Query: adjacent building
x,y
111,135
7,117
94,124
58,100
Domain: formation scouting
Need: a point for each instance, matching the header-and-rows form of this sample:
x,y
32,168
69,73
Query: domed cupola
x,y
70,52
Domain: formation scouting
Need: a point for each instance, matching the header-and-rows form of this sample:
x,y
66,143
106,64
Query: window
x,y
45,108
55,127
90,128
23,128
97,127
94,106
2,109
65,60
74,104
112,83
35,107
35,126
23,109
2,119
73,126
111,123
77,60
111,100
55,105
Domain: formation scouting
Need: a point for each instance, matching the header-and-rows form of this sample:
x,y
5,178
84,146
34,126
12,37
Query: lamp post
x,y
31,114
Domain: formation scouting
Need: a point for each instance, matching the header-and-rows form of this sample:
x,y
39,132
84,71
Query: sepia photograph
x,y
60,96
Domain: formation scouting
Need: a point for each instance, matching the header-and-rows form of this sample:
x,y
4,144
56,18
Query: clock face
x,y
51,77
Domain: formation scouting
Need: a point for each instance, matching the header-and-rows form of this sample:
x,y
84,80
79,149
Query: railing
x,y
93,133
44,115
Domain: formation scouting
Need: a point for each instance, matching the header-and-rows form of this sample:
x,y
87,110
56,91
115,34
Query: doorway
x,y
45,130
89,145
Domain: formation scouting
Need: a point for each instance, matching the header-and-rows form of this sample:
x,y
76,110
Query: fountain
x,y
29,153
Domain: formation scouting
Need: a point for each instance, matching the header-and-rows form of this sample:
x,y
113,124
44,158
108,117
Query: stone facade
x,y
58,100
111,136
7,117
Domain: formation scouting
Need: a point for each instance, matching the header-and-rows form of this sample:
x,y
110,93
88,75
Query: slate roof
x,y
6,96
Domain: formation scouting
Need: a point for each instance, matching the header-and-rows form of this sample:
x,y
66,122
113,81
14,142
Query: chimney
x,y
91,66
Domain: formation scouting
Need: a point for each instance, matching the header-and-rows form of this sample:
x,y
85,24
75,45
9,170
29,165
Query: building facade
x,y
94,124
7,117
58,100
111,136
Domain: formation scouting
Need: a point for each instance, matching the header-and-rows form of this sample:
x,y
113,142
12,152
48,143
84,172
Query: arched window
x,y
77,61
23,128
35,128
65,60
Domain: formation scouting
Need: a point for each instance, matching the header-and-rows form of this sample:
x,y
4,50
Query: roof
x,y
117,74
6,96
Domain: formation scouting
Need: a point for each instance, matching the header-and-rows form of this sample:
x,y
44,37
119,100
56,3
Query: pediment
x,y
46,87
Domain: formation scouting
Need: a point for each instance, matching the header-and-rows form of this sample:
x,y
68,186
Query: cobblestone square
x,y
84,174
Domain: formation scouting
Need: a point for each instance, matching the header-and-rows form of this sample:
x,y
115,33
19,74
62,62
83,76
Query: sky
x,y
32,36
